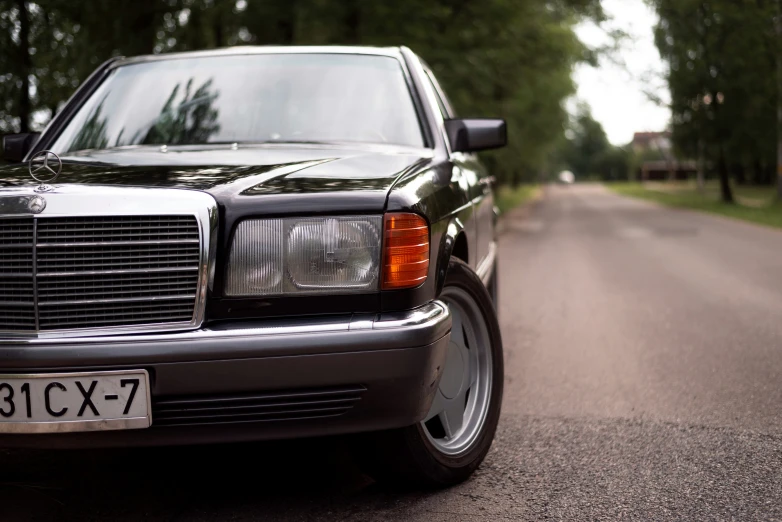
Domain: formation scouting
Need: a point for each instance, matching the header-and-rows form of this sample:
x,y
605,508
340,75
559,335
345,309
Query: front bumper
x,y
261,379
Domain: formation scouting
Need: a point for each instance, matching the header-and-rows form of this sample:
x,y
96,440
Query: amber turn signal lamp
x,y
405,251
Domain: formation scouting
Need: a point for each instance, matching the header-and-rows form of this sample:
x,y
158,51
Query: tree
x,y
508,58
587,152
192,120
721,58
15,58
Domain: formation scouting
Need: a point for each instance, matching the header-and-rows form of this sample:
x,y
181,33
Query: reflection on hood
x,y
247,171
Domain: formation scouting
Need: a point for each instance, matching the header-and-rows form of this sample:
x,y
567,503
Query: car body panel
x,y
253,345
254,180
232,170
394,361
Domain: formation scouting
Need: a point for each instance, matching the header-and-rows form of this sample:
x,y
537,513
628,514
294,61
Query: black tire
x,y
406,456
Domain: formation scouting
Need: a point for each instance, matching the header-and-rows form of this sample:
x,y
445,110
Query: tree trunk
x,y
779,98
142,23
217,27
25,62
759,177
739,174
701,166
287,24
352,22
725,190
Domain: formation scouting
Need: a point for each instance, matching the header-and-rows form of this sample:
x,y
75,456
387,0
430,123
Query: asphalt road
x,y
644,382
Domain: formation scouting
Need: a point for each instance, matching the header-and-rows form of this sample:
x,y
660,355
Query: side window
x,y
442,100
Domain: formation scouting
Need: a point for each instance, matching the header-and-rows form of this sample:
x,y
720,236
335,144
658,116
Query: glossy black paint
x,y
476,134
398,368
449,189
16,146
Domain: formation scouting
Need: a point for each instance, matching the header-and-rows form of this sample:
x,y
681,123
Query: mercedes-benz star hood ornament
x,y
45,167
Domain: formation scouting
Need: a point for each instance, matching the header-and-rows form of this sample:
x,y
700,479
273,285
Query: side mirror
x,y
474,134
16,146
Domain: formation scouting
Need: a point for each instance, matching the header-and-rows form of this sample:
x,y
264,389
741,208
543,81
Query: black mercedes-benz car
x,y
254,243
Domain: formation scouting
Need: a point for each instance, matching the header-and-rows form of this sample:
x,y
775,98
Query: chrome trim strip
x,y
417,317
422,317
485,267
121,243
128,423
125,271
362,322
118,300
67,200
390,52
34,275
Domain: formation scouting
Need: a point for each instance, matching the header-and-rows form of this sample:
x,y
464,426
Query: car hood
x,y
240,172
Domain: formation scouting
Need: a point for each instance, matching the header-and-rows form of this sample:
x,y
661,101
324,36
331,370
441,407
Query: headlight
x,y
255,265
305,255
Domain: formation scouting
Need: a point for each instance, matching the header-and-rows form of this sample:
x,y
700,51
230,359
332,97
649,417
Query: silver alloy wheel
x,y
461,402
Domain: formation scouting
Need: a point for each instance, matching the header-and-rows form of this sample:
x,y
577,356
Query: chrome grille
x,y
17,311
94,272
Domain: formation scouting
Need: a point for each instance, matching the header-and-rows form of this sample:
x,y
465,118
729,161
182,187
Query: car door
x,y
480,186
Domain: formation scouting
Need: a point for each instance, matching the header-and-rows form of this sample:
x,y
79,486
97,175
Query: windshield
x,y
249,98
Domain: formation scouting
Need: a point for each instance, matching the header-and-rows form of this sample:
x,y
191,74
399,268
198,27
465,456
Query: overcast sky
x,y
616,92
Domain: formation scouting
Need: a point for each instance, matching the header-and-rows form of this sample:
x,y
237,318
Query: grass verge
x,y
754,204
508,197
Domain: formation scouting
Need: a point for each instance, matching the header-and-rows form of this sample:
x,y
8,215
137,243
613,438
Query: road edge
x,y
522,211
706,213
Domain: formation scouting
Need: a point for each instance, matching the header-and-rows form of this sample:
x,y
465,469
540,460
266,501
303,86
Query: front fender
x,y
454,227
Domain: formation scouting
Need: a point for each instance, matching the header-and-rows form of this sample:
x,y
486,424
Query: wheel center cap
x,y
453,374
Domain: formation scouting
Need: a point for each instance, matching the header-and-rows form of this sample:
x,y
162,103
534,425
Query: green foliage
x,y
757,207
193,119
508,58
722,75
93,134
509,197
587,152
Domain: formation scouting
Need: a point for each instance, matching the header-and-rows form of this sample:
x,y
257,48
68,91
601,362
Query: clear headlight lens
x,y
255,264
305,255
323,254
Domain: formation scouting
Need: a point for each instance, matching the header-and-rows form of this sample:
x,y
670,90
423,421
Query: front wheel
x,y
454,437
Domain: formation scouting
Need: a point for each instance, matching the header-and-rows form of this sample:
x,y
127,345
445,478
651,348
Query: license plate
x,y
67,402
